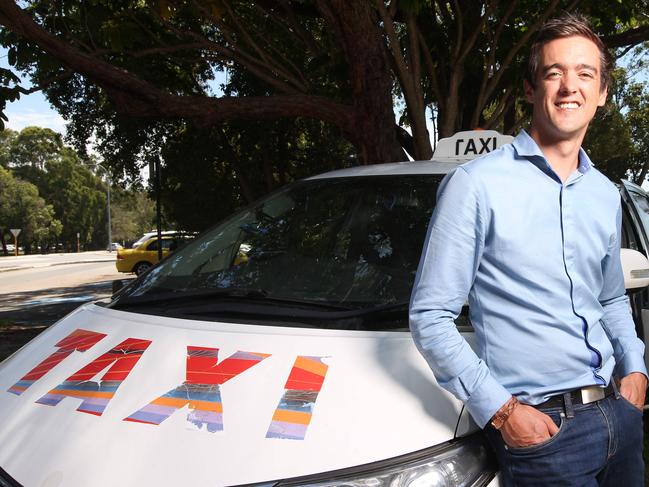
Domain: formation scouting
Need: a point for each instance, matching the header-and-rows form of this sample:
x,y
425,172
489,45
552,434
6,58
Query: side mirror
x,y
118,284
635,267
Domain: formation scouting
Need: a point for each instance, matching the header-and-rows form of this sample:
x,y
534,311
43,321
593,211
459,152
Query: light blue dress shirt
x,y
540,263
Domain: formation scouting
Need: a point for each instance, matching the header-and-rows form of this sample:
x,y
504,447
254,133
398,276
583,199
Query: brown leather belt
x,y
585,395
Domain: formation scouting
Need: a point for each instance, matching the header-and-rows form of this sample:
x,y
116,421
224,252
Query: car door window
x,y
638,201
168,244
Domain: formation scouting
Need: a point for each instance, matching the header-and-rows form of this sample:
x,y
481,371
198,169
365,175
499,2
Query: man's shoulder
x,y
603,183
500,158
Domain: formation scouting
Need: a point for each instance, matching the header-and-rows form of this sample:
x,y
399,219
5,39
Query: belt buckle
x,y
591,394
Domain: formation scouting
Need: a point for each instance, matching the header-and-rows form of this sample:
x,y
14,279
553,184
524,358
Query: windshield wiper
x,y
250,294
165,297
261,307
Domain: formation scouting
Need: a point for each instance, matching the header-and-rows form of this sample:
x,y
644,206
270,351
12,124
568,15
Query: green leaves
x,y
22,207
75,197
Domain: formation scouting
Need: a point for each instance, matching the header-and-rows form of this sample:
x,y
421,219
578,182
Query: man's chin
x,y
560,133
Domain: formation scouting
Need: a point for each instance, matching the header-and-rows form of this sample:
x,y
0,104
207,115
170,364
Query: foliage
x,y
132,214
618,138
224,168
22,207
323,59
77,196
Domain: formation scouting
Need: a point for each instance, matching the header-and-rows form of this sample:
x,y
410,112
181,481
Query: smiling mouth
x,y
568,105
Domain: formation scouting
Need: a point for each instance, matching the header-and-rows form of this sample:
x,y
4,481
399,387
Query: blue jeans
x,y
601,445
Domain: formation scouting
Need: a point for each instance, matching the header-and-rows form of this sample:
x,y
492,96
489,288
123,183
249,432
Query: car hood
x,y
108,397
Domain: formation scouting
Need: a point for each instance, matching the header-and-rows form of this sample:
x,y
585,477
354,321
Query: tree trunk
x,y
356,24
4,244
449,121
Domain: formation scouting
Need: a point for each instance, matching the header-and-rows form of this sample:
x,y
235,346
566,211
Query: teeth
x,y
568,105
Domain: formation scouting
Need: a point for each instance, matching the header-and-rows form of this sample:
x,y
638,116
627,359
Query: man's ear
x,y
529,91
602,97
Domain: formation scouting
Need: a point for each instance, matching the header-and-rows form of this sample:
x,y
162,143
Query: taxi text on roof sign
x,y
467,145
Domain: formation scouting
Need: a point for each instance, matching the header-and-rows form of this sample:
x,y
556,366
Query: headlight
x,y
463,462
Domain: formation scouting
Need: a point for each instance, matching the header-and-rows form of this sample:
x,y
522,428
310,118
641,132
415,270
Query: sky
x,y
31,109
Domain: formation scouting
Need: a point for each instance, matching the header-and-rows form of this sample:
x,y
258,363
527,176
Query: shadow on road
x,y
45,306
23,315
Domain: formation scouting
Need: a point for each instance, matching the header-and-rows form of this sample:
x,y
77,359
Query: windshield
x,y
347,242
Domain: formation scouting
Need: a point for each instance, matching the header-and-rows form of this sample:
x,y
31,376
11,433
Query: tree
x,y
169,82
132,214
38,155
22,207
7,136
618,137
636,100
335,61
231,166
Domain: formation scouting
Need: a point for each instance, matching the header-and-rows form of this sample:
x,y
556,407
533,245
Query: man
x,y
531,235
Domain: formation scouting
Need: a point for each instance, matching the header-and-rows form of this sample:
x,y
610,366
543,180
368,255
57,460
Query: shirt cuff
x,y
488,398
631,362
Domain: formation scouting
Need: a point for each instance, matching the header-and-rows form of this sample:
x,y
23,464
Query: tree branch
x,y
136,97
67,74
495,80
476,32
430,68
630,37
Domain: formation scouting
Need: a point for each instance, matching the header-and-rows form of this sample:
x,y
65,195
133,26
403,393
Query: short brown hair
x,y
568,25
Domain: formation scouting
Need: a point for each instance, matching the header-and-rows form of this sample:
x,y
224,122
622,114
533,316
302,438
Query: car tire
x,y
140,268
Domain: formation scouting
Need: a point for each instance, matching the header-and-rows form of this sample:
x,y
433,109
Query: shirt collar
x,y
526,147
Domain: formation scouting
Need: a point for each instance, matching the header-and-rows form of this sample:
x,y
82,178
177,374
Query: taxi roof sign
x,y
469,144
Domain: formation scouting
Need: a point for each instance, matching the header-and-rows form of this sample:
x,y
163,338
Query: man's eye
x,y
553,74
587,75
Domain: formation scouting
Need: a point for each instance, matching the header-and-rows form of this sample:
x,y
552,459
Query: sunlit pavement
x,y
11,262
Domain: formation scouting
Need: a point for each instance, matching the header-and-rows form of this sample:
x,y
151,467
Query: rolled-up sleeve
x,y
628,349
448,266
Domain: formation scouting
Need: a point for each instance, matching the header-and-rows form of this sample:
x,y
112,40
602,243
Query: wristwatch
x,y
504,412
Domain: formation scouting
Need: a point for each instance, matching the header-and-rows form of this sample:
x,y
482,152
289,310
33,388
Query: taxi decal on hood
x,y
293,415
96,396
200,391
79,340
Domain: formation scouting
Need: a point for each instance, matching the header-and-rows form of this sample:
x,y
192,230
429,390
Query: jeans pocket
x,y
628,403
522,450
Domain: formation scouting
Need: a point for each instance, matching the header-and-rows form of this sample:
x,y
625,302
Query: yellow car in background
x,y
145,255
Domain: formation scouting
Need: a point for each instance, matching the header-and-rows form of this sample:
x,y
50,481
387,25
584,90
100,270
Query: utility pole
x,y
110,232
155,169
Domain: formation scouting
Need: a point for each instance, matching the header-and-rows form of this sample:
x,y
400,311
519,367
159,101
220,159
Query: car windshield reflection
x,y
352,242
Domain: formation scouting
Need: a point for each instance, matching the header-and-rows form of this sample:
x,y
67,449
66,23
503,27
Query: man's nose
x,y
568,83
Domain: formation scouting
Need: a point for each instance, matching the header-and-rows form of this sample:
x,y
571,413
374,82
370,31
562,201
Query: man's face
x,y
567,91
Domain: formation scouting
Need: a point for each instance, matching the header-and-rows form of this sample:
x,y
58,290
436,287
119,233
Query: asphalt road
x,y
42,291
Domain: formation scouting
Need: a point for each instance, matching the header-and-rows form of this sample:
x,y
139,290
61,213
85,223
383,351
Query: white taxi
x,y
272,350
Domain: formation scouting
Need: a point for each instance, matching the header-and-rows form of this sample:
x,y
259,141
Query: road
x,y
9,263
43,290
38,290
39,278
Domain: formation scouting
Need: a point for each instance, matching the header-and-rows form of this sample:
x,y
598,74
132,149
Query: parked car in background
x,y
148,235
272,350
140,258
115,246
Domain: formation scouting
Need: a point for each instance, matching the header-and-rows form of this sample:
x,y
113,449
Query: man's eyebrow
x,y
589,67
562,67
